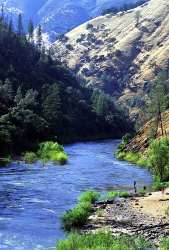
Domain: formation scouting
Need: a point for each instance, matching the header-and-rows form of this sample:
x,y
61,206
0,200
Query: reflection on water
x,y
33,197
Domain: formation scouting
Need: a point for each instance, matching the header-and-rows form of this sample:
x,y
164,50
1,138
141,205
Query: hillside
x,y
141,141
120,53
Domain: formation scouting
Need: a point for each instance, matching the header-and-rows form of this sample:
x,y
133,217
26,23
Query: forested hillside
x,y
39,98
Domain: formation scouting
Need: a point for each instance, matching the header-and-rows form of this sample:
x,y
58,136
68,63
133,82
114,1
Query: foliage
x,y
89,196
101,241
113,194
30,157
164,244
77,217
158,158
158,184
52,151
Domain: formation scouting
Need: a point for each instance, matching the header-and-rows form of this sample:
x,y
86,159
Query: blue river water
x,y
34,197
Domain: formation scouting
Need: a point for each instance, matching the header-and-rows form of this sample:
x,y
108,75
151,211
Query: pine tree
x,y
20,30
39,37
30,31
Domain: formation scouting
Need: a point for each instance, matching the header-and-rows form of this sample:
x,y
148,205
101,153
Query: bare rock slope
x,y
120,53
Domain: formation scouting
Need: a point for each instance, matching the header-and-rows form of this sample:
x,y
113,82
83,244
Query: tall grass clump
x,y
89,196
77,217
101,241
52,151
113,194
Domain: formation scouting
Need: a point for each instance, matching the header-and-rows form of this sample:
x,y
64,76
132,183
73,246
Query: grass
x,y
134,158
75,218
101,241
113,194
48,151
89,196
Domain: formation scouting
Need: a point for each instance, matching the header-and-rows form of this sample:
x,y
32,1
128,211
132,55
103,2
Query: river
x,y
33,197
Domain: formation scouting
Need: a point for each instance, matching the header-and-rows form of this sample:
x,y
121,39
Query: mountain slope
x,y
120,53
58,16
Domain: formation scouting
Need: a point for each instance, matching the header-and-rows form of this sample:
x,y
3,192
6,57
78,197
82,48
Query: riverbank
x,y
133,216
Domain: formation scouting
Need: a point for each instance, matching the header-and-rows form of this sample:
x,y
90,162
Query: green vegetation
x,y
164,244
113,194
5,161
89,196
30,157
101,241
52,151
48,151
158,158
77,217
134,158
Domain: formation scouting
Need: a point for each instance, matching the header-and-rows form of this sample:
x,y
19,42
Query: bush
x,y
5,161
158,158
113,194
30,157
60,157
89,196
76,217
52,151
101,241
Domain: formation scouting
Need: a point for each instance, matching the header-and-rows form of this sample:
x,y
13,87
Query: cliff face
x,y
120,53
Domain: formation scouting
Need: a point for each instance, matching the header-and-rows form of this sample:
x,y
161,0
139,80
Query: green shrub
x,y
89,196
164,244
110,195
101,241
52,151
59,157
30,157
5,161
124,194
113,194
158,157
76,217
142,192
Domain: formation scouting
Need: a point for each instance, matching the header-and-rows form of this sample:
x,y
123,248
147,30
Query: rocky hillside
x,y
59,16
120,53
141,142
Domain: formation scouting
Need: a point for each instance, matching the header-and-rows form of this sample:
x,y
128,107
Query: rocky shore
x,y
132,216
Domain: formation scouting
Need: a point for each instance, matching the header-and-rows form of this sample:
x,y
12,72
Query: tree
x,y
30,30
20,30
158,157
157,105
39,37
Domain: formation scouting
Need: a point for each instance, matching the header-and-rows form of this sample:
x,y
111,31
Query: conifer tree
x,y
20,30
39,37
30,31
